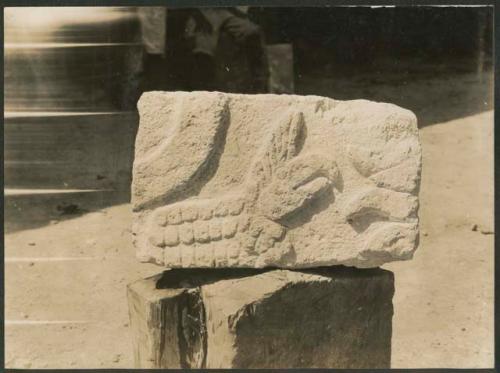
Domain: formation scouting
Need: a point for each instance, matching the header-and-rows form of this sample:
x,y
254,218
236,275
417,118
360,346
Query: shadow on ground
x,y
32,211
435,95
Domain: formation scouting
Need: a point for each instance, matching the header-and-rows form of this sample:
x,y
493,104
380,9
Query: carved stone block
x,y
227,180
333,317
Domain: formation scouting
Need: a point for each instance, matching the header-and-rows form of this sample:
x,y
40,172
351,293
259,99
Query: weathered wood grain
x,y
336,317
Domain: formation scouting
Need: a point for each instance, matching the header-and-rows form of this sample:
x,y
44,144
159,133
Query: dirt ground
x,y
444,296
65,275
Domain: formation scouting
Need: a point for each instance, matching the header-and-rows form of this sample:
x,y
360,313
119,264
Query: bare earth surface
x,y
444,297
65,304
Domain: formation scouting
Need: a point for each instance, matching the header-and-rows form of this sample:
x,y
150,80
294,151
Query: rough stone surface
x,y
333,317
225,180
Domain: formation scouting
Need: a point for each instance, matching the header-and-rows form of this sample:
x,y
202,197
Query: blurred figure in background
x,y
209,49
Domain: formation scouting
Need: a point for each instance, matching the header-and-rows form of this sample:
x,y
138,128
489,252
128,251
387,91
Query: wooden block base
x,y
335,317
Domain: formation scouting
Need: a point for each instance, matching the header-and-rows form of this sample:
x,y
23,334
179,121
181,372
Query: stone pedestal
x,y
336,317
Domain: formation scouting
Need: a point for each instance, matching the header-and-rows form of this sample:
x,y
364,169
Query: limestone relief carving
x,y
253,217
293,198
181,157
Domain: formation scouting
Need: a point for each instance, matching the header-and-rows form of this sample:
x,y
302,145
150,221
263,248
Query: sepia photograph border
x,y
294,3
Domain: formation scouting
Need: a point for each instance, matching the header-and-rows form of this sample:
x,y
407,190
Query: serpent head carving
x,y
297,194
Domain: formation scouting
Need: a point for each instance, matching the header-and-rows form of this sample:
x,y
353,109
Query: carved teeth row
x,y
211,233
219,254
200,231
249,233
187,213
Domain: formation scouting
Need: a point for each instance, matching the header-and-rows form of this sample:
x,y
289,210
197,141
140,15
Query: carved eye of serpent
x,y
279,183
